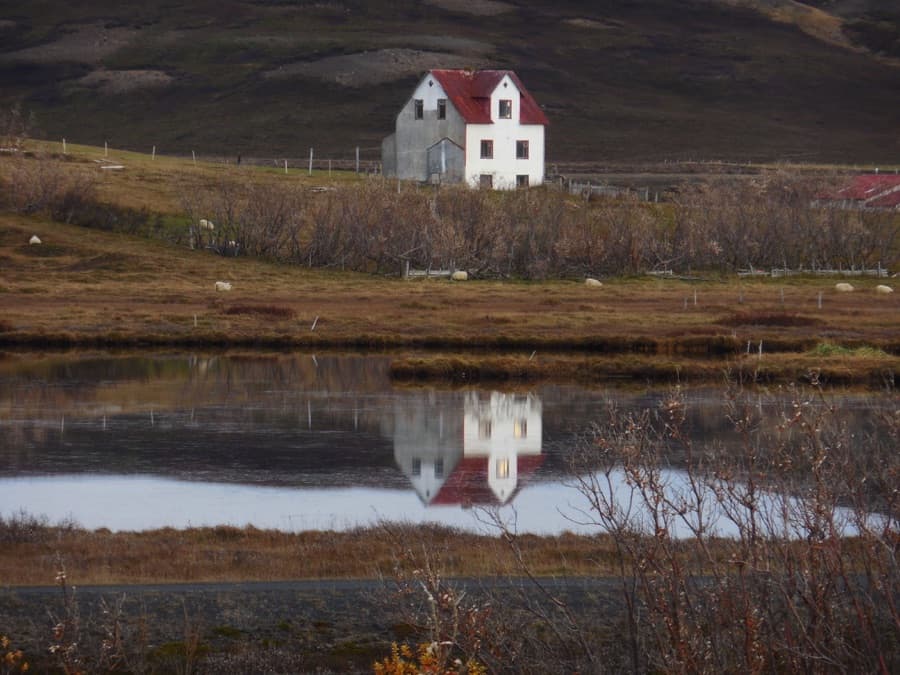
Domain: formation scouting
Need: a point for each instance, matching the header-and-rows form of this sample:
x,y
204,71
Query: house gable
x,y
472,93
453,115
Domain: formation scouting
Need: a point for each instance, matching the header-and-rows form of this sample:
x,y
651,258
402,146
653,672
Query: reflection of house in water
x,y
477,455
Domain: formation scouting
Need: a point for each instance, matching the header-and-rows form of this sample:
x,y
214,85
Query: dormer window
x,y
418,109
442,108
505,112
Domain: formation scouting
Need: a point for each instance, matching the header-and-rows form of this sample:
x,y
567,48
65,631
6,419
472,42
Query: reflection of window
x,y
505,109
442,108
439,468
520,429
503,468
418,109
487,149
416,466
484,427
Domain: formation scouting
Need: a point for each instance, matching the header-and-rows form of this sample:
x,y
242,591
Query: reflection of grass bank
x,y
870,369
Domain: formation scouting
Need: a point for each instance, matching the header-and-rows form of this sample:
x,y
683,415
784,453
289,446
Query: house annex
x,y
481,127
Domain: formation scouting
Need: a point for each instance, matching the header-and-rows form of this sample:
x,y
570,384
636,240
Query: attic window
x,y
505,109
418,109
442,108
487,149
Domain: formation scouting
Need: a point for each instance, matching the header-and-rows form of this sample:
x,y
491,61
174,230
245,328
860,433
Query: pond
x,y
302,441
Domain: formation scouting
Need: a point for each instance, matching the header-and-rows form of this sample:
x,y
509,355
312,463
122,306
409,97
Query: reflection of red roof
x,y
470,92
865,187
468,484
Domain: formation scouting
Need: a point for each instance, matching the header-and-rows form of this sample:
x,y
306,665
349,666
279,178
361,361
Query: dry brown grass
x,y
244,554
83,287
87,288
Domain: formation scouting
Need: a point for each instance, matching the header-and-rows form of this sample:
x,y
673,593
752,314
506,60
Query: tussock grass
x,y
271,311
769,319
865,352
241,554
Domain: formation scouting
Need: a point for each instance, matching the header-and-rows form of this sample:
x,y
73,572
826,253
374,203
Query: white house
x,y
477,126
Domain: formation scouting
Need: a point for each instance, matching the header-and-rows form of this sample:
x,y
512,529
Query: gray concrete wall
x,y
414,137
389,155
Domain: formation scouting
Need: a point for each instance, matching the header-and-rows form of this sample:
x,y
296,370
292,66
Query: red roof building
x,y
866,191
480,127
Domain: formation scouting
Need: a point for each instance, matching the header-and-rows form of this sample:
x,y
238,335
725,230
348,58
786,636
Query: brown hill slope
x,y
638,80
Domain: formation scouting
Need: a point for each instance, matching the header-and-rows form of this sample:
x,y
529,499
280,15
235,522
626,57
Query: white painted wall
x,y
504,167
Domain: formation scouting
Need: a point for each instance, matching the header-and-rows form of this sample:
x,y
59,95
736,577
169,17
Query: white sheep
x,y
34,239
223,285
594,283
883,290
459,275
843,287
207,224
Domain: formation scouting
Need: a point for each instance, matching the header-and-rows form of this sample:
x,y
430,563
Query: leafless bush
x,y
255,218
769,221
808,577
15,127
24,528
541,233
42,186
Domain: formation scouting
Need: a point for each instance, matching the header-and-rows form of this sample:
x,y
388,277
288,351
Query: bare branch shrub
x,y
15,127
780,557
49,188
769,221
371,226
255,218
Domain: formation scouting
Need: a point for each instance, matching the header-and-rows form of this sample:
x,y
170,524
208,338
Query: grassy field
x,y
248,554
90,288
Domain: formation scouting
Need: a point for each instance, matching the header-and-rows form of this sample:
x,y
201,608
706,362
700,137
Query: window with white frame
x,y
505,111
487,149
442,108
418,108
521,149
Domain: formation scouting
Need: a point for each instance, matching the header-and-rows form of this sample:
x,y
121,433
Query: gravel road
x,y
289,626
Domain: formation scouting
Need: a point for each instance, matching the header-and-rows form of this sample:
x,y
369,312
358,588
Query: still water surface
x,y
299,442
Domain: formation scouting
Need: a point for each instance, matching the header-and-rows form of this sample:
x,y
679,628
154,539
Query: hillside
x,y
638,80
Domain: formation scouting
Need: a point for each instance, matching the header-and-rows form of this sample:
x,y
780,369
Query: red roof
x,y
468,484
470,92
867,186
891,200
